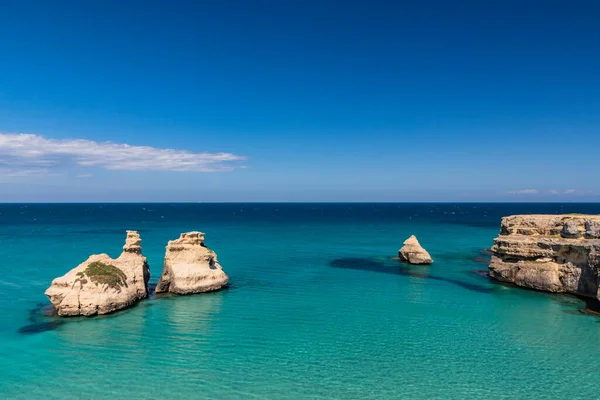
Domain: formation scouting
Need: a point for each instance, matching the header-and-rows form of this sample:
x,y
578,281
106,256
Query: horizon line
x,y
299,202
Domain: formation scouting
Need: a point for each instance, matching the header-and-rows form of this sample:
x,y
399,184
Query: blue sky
x,y
299,101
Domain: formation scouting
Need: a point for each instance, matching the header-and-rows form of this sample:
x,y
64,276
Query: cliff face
x,y
554,253
101,285
190,267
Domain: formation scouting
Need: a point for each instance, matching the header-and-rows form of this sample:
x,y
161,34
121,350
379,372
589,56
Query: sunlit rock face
x,y
101,285
554,253
412,252
190,267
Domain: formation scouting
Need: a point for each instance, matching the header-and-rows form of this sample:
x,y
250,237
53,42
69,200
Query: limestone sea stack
x,y
553,253
413,253
190,267
101,285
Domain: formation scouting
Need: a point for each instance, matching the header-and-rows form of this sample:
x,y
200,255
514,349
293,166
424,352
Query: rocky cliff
x,y
554,253
190,267
101,285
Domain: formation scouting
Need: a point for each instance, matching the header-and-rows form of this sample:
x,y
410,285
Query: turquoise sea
x,y
318,308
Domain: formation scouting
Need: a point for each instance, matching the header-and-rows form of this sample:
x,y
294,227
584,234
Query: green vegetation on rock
x,y
101,273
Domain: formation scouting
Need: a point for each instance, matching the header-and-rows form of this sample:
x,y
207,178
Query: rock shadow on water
x,y
373,265
39,327
484,257
486,252
479,256
481,272
42,318
592,307
151,288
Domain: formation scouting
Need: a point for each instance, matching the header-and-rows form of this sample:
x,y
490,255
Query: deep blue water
x,y
317,308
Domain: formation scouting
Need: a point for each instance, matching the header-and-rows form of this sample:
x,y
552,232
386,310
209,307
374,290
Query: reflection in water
x,y
43,317
591,306
192,314
123,327
528,310
185,314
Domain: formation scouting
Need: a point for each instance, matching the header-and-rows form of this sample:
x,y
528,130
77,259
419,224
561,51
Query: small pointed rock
x,y
413,253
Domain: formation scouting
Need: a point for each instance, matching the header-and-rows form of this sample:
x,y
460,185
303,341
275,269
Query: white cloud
x,y
23,172
523,191
34,155
568,191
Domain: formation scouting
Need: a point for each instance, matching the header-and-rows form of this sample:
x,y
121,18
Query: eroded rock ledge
x,y
101,285
190,267
554,253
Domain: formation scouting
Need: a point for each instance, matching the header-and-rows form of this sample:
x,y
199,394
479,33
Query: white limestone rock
x,y
553,253
101,285
190,267
413,253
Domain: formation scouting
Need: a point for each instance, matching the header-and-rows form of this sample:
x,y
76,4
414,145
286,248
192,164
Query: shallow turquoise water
x,y
317,308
